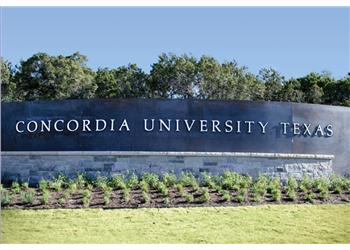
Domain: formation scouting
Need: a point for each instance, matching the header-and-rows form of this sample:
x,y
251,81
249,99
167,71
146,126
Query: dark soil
x,y
157,200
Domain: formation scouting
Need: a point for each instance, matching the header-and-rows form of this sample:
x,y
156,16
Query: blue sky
x,y
295,41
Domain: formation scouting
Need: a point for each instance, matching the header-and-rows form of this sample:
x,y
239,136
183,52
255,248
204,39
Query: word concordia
x,y
170,125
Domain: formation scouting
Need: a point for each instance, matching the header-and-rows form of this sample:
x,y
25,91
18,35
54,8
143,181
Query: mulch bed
x,y
159,201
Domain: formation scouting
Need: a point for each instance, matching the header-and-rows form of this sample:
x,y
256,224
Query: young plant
x,y
306,184
57,183
276,194
208,181
101,182
170,180
27,196
107,196
310,197
144,186
163,189
46,197
25,186
72,187
166,201
337,184
15,187
6,198
180,189
86,197
146,198
189,198
205,195
292,184
242,195
118,182
225,195
61,201
231,180
133,181
43,185
291,194
90,187
80,181
188,180
151,179
126,195
260,188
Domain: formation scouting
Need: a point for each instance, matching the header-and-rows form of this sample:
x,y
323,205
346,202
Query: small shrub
x,y
133,181
163,189
188,180
144,186
107,196
166,201
46,197
62,201
337,183
151,179
57,183
6,198
347,184
292,183
324,194
205,195
180,189
86,197
25,185
189,198
320,185
90,187
146,198
15,187
291,194
27,197
118,182
225,195
80,181
231,180
208,181
72,187
126,195
260,188
101,182
43,185
242,195
169,180
273,185
310,197
306,184
276,194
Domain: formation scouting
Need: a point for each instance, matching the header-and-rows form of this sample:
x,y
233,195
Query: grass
x,y
255,224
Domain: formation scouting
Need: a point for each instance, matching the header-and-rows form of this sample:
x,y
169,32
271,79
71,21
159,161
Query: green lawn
x,y
259,224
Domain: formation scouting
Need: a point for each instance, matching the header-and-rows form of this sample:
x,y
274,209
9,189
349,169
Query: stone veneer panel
x,y
33,166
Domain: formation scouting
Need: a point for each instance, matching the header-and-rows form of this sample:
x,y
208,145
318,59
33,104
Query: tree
x,y
338,92
273,82
44,77
291,92
8,87
174,77
123,82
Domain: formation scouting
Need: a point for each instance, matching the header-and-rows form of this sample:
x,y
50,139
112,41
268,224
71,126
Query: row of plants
x,y
170,190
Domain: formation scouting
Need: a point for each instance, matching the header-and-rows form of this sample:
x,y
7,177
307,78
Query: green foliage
x,y
273,185
170,180
180,189
234,181
188,180
46,197
8,84
337,183
107,196
321,185
101,182
310,197
225,195
167,201
144,186
6,198
80,181
86,197
62,201
126,195
15,187
57,183
260,188
27,196
25,185
151,179
43,185
163,189
146,198
208,181
189,198
205,195
72,187
292,184
242,195
306,184
118,182
133,181
45,77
